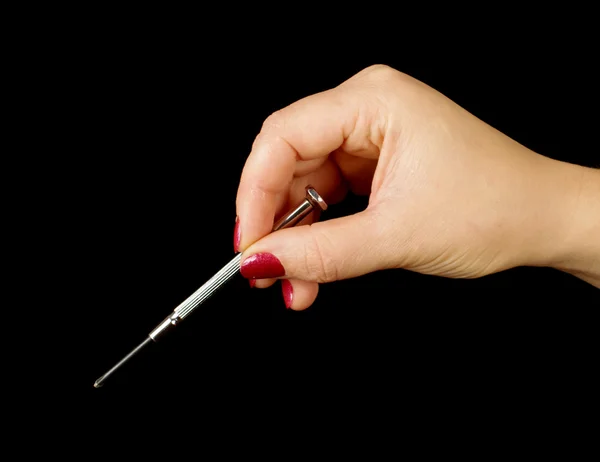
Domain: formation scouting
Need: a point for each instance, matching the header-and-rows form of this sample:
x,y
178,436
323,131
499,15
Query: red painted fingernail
x,y
288,292
236,235
252,282
261,266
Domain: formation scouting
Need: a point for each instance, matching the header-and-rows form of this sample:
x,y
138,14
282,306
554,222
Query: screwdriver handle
x,y
312,201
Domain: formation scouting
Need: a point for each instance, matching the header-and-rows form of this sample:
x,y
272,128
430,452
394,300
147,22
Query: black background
x,y
161,119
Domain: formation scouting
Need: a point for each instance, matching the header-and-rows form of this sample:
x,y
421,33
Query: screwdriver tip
x,y
98,383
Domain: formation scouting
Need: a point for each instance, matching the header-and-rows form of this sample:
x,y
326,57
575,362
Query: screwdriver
x,y
312,201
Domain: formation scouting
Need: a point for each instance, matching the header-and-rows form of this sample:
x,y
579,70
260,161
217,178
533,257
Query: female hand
x,y
448,194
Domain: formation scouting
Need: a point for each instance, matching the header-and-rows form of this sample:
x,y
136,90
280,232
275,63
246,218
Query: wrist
x,y
581,253
569,234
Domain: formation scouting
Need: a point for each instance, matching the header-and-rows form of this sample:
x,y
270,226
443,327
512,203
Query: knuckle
x,y
379,69
382,75
273,122
378,72
319,261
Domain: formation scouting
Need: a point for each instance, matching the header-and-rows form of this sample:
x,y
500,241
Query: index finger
x,y
308,129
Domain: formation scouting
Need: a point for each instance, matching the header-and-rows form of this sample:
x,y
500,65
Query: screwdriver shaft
x,y
98,383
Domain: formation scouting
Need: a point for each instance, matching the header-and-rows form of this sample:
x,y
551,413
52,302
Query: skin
x,y
449,195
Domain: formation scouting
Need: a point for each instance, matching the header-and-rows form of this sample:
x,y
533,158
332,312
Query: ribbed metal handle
x,y
313,201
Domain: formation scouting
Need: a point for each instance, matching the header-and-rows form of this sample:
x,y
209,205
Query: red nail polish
x,y
236,235
252,282
262,266
288,292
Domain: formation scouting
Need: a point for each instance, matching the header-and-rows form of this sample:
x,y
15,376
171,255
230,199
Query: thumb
x,y
327,251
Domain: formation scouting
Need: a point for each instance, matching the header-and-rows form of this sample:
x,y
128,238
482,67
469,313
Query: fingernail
x,y
236,235
288,292
262,266
252,282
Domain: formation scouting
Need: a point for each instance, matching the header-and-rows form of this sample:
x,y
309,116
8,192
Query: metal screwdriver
x,y
312,201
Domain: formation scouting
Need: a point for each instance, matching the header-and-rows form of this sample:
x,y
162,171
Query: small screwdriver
x,y
312,201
